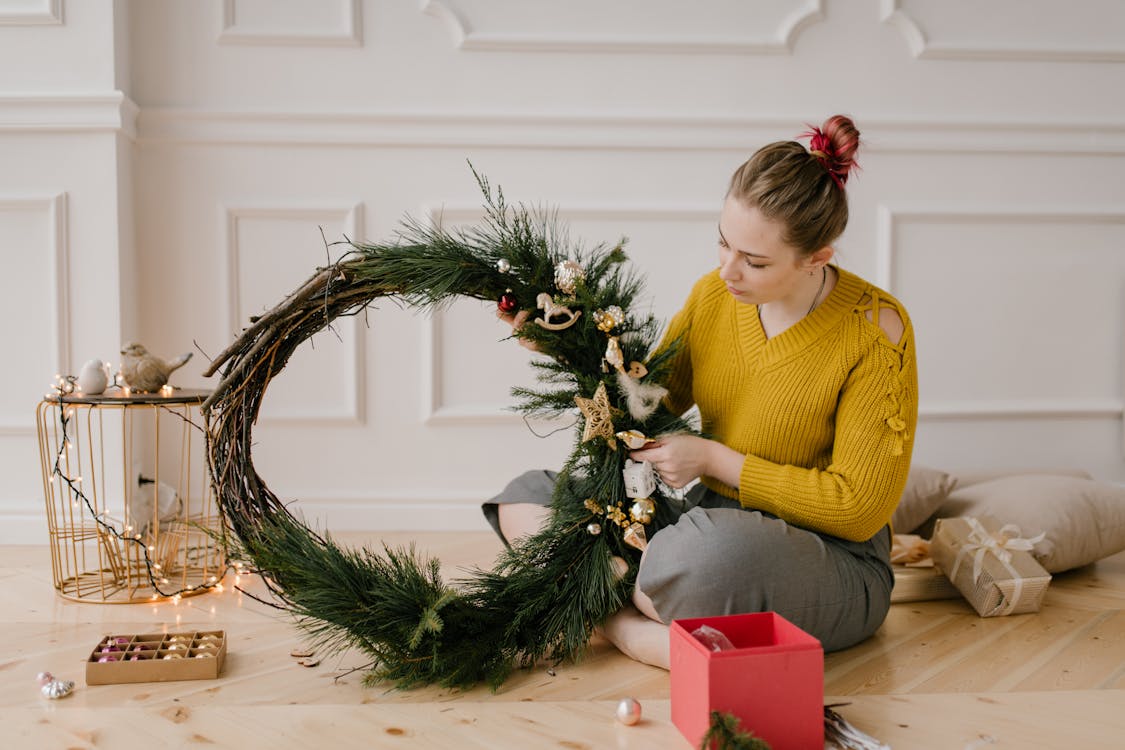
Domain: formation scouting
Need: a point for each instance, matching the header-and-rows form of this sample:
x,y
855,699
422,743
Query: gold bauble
x,y
642,510
567,275
609,318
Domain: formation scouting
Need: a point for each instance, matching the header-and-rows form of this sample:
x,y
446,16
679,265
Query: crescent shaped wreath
x,y
545,594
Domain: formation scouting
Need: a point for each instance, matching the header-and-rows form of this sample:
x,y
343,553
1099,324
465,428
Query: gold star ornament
x,y
599,421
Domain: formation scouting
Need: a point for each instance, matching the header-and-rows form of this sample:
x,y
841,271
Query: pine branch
x,y
725,733
545,595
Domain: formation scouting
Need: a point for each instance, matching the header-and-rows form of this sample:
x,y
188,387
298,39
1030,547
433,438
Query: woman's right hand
x,y
516,321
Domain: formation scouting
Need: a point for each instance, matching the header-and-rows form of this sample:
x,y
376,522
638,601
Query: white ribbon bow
x,y
1006,541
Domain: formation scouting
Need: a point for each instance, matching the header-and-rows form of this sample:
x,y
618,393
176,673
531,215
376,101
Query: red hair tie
x,y
820,146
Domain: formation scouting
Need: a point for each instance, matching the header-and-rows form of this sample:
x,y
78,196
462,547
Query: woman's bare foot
x,y
638,637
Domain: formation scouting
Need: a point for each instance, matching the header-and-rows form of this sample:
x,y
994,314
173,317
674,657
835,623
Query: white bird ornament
x,y
147,372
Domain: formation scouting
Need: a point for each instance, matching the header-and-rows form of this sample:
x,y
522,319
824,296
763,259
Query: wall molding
x,y
888,216
468,38
48,13
436,413
351,35
921,46
352,219
102,112
594,131
405,510
1022,409
58,321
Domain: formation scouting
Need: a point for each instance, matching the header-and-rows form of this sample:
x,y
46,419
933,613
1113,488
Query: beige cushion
x,y
976,476
1083,520
926,489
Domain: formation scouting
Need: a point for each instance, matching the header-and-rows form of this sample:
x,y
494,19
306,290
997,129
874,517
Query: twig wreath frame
x,y
545,594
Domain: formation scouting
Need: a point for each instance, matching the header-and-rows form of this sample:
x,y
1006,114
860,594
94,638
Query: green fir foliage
x,y
725,733
546,594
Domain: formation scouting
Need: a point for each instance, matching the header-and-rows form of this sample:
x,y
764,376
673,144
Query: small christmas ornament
x,y
637,370
567,275
173,655
634,439
641,399
618,516
629,711
503,266
92,378
598,418
613,354
642,510
635,537
204,655
507,303
608,319
56,689
551,310
593,528
104,658
593,506
640,480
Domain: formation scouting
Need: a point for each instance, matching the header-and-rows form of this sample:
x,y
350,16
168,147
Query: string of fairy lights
x,y
64,386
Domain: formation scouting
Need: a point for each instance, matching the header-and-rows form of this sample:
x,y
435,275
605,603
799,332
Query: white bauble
x,y
92,379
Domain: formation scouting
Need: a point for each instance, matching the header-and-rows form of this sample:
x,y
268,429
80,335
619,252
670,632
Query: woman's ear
x,y
820,258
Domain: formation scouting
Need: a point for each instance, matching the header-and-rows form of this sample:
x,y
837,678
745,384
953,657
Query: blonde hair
x,y
802,188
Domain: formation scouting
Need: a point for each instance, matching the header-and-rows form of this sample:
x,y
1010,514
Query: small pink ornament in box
x,y
772,680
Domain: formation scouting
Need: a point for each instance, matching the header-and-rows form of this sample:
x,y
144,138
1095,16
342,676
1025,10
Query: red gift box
x,y
773,680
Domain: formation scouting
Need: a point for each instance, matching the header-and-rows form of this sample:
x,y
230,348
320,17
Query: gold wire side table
x,y
130,510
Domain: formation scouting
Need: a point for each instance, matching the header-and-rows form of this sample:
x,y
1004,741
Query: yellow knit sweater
x,y
824,412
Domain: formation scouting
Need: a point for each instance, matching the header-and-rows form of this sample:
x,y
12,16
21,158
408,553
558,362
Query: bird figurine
x,y
147,372
92,379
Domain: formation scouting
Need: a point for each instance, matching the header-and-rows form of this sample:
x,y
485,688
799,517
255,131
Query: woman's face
x,y
754,262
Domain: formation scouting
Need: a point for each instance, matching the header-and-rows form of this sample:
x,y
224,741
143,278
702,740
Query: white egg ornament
x,y
92,379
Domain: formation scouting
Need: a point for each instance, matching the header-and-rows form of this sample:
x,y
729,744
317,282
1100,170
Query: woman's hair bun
x,y
834,143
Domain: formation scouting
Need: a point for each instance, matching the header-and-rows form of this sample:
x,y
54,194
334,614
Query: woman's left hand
x,y
677,459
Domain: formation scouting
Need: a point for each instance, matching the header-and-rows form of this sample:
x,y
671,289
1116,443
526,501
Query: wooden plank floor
x,y
935,676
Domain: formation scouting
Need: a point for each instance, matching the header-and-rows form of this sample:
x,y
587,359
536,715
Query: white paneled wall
x,y
170,165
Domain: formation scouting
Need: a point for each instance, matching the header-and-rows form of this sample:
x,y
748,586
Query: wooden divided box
x,y
157,657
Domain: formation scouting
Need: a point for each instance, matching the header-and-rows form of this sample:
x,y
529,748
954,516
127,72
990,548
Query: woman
x,y
804,375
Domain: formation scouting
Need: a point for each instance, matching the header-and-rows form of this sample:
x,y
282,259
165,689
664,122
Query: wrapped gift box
x,y
990,564
772,680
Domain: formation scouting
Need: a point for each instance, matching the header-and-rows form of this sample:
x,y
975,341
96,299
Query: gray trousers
x,y
721,559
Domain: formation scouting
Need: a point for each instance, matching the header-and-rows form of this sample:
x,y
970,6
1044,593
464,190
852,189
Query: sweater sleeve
x,y
679,382
855,495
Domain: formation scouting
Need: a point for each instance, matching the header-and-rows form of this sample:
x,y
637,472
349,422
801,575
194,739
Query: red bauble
x,y
507,303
